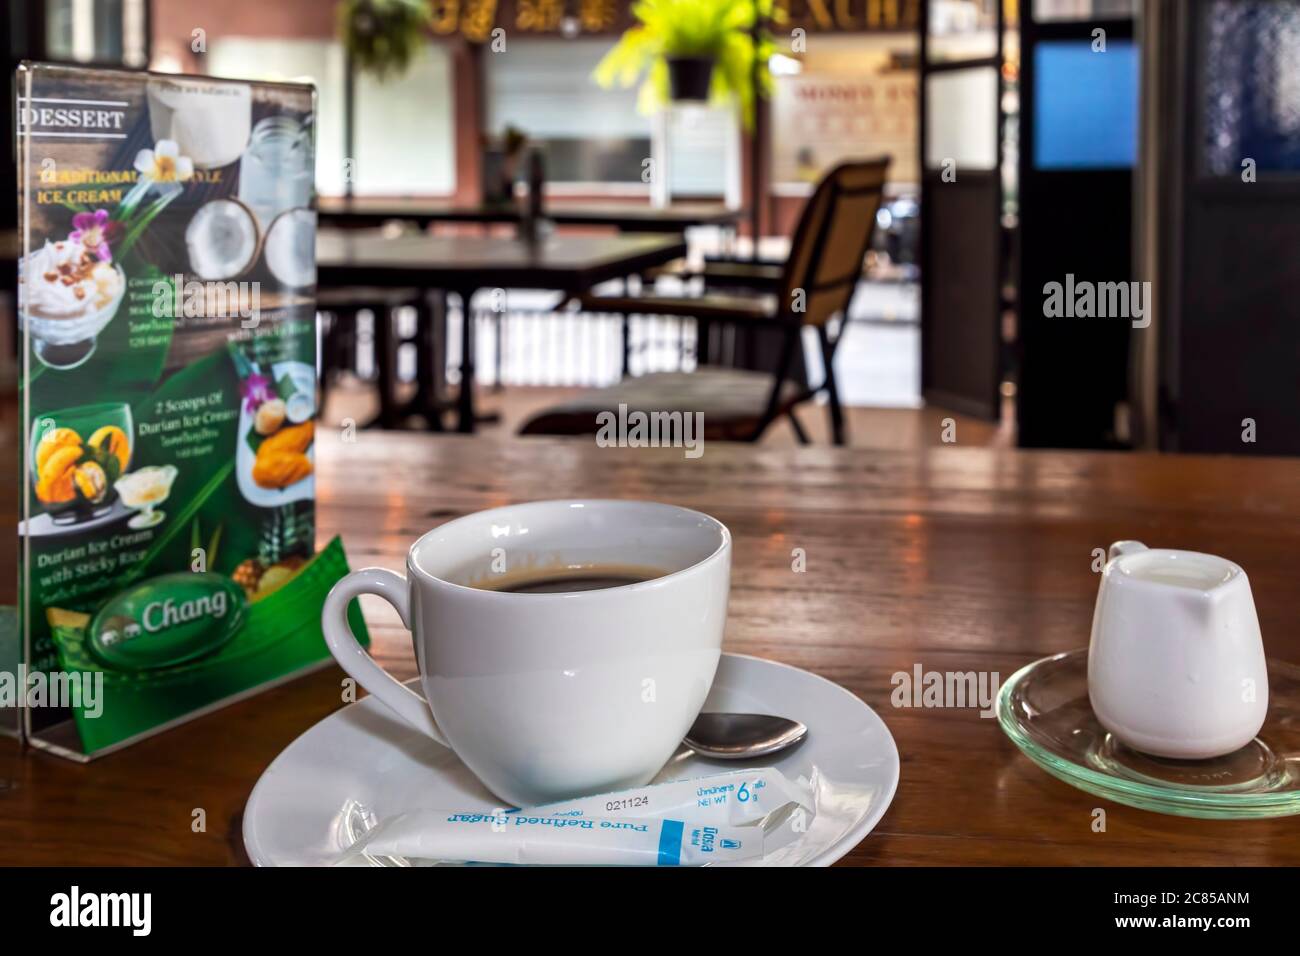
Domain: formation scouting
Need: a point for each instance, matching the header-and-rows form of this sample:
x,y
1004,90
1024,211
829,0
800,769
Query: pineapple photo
x,y
284,547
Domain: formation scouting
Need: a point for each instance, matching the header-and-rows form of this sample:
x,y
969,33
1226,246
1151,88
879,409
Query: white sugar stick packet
x,y
735,799
683,823
522,837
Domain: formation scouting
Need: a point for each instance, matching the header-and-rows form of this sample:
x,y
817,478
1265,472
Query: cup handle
x,y
1121,548
353,658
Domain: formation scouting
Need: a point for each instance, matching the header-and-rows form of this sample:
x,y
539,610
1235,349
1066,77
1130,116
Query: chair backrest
x,y
831,240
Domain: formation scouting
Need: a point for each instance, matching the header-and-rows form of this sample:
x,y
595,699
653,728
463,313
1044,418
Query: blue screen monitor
x,y
1085,105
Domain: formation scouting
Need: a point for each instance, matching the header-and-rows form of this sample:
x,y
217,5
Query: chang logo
x,y
164,614
167,621
120,630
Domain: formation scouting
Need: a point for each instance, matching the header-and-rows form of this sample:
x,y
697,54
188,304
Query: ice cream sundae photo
x,y
70,290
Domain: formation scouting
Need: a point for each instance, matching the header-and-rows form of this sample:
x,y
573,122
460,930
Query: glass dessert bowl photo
x,y
76,457
143,489
67,296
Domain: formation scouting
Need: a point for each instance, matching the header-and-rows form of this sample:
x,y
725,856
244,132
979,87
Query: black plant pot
x,y
689,77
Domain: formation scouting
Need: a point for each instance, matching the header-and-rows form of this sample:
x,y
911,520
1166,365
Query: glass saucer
x,y
1044,709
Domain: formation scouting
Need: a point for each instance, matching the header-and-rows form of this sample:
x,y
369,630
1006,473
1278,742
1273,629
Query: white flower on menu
x,y
164,163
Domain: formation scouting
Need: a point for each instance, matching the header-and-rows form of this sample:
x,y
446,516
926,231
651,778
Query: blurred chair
x,y
813,285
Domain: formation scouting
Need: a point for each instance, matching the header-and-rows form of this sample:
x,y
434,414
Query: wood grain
x,y
570,264
629,216
954,558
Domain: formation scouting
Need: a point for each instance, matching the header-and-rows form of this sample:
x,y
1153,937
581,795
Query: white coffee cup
x,y
1176,663
550,696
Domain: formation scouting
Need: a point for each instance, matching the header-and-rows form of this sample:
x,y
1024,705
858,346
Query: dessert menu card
x,y
168,401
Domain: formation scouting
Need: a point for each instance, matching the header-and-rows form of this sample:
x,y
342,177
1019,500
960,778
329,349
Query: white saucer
x,y
363,761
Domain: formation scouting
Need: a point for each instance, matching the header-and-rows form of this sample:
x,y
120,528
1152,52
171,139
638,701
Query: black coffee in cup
x,y
553,580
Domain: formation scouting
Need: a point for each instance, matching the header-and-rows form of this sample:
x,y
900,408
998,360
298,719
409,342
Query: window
x,y
963,29
96,31
420,103
1085,105
960,112
703,152
587,134
1250,101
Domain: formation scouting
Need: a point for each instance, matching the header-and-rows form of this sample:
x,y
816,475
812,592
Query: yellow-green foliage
x,y
383,35
719,29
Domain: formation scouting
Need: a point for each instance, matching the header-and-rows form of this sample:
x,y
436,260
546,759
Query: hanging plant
x,y
383,36
693,49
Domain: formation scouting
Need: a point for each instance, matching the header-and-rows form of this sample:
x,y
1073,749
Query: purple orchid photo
x,y
94,230
256,389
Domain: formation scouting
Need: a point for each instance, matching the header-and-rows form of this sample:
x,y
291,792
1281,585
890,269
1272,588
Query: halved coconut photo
x,y
222,239
290,248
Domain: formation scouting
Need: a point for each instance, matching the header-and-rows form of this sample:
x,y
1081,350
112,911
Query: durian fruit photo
x,y
281,458
76,457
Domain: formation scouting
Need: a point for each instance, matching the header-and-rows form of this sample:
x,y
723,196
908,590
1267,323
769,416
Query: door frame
x,y
990,407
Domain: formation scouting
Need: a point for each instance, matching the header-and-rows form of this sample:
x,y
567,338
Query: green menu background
x,y
184,379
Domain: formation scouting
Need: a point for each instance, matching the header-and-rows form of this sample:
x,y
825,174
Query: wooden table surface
x,y
627,216
957,559
468,263
464,265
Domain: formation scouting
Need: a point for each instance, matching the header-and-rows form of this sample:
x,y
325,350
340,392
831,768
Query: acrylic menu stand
x,y
168,336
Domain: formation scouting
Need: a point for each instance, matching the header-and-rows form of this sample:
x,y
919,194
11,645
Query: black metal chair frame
x,y
789,320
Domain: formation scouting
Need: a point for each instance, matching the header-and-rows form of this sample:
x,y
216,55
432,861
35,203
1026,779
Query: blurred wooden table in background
x,y
953,558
